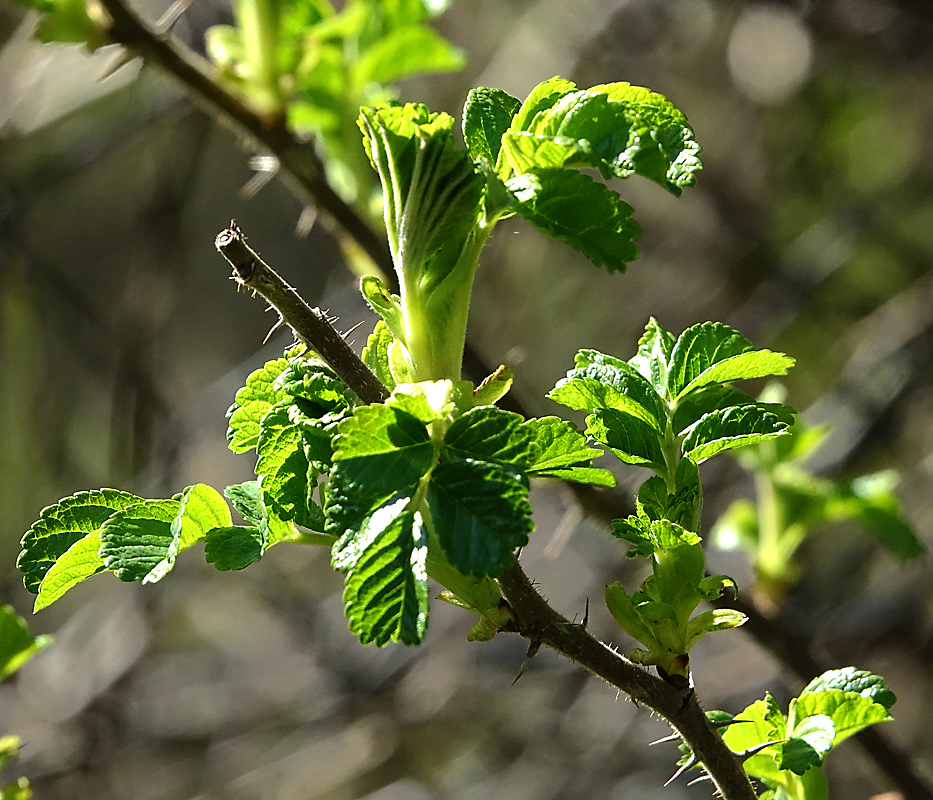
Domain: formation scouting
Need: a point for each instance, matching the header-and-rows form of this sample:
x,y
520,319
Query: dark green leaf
x,y
61,525
563,453
487,115
858,681
729,428
541,98
808,744
576,209
601,382
481,514
630,439
17,644
386,594
134,541
234,547
283,466
487,433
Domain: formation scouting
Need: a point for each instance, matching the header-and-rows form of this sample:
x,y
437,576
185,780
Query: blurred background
x,y
122,343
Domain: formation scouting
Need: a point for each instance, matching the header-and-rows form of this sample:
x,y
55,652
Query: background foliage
x,y
121,345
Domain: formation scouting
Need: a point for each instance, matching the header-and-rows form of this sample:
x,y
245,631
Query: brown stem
x,y
310,325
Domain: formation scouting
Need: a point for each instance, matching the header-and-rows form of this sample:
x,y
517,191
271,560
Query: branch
x,y
310,325
534,619
299,162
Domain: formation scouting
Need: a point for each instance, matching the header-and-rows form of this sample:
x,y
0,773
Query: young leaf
x,y
412,50
601,382
563,453
487,115
729,428
481,514
380,455
715,353
807,744
283,467
61,525
376,354
201,510
617,128
17,644
487,433
78,562
849,712
234,547
630,439
386,594
134,541
251,404
654,352
575,208
855,681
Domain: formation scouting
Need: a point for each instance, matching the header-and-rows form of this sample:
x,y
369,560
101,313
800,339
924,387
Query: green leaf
x,y
715,353
849,712
654,352
283,467
806,746
718,619
78,562
412,50
855,681
386,594
729,428
563,453
652,536
202,510
251,404
388,306
624,610
61,525
380,452
487,115
617,128
576,209
68,21
487,433
494,387
630,438
376,354
17,644
234,547
135,540
602,382
481,514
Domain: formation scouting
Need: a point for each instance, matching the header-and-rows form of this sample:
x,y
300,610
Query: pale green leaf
x,y
729,428
17,644
412,50
251,404
61,525
78,562
487,115
856,681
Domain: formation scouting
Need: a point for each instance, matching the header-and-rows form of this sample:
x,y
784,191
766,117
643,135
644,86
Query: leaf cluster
x,y
830,709
669,408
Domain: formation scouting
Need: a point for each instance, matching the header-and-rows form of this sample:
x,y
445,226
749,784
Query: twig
x,y
310,325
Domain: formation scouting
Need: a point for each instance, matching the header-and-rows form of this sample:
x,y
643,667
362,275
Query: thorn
x,y
690,762
353,329
586,614
744,755
119,59
700,778
664,739
533,648
171,16
273,329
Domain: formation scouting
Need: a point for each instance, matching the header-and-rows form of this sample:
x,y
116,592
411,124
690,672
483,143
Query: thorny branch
x,y
533,618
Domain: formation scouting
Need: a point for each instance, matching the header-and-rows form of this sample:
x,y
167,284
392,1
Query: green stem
x,y
259,25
